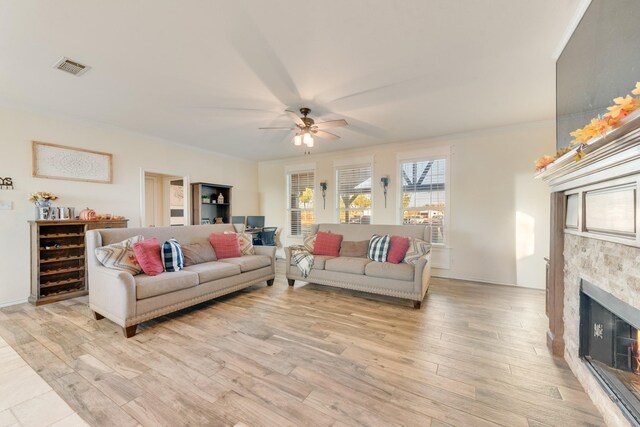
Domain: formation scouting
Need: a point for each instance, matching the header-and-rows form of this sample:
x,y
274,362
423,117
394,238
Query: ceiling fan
x,y
306,128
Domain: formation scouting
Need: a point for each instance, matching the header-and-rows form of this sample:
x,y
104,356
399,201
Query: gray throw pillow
x,y
198,252
356,249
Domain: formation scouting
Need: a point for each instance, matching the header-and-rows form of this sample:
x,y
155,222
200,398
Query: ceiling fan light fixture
x,y
308,140
297,140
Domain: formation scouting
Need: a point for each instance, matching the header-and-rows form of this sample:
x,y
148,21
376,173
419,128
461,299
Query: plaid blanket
x,y
302,259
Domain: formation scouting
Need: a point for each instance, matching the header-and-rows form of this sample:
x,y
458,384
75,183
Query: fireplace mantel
x,y
607,157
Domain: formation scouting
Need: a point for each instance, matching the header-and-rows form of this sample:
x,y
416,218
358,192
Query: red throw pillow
x,y
147,254
225,245
398,249
327,244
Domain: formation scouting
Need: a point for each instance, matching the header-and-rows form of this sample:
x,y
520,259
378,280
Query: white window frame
x,y
352,163
434,153
297,169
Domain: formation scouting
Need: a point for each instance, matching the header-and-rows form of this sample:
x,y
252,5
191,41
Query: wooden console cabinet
x,y
58,268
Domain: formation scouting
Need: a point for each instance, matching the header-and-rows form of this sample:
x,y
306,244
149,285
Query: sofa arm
x,y
269,251
112,293
287,260
422,274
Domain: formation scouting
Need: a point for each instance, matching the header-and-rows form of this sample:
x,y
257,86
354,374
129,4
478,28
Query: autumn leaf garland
x,y
623,106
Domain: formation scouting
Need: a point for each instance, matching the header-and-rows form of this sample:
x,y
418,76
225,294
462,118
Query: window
x,y
424,195
354,194
301,201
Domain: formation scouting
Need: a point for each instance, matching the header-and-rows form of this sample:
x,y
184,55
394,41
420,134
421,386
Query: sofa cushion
x,y
198,252
309,242
379,247
347,265
327,244
225,245
387,270
398,249
245,240
417,249
148,254
318,261
120,256
249,262
172,257
214,270
354,249
164,283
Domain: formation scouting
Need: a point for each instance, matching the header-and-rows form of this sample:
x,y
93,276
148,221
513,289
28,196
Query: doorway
x,y
164,200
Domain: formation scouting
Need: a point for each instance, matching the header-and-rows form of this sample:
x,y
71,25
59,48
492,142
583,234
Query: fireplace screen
x,y
609,345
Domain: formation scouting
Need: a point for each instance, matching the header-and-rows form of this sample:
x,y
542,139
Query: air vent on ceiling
x,y
73,67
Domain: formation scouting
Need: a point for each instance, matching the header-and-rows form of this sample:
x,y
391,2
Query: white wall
x,y
499,223
131,152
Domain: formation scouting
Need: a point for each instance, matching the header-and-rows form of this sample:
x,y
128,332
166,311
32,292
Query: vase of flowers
x,y
42,200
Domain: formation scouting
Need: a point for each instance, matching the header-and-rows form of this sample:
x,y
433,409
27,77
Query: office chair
x,y
268,236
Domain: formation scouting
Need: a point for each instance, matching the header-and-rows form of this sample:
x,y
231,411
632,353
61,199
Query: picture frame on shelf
x,y
206,221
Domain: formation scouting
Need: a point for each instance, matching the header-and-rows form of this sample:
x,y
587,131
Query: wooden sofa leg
x,y
97,315
270,282
291,282
129,331
417,304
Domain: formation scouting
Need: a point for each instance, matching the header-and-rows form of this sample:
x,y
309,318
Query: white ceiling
x,y
209,73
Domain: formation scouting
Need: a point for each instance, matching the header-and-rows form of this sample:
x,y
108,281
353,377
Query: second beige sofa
x,y
406,281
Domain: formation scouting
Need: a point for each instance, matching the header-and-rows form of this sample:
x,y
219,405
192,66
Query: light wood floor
x,y
474,355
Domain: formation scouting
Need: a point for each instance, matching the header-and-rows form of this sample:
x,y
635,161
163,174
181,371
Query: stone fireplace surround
x,y
609,266
595,236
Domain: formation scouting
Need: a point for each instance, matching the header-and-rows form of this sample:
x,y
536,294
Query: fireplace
x,y
609,345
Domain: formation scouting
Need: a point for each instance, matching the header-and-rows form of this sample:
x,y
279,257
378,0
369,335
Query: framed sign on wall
x,y
76,164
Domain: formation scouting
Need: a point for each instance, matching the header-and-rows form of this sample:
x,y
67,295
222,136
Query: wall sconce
x,y
384,183
323,187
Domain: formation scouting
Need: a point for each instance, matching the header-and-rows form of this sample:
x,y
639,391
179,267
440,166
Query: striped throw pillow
x,y
172,256
417,249
379,247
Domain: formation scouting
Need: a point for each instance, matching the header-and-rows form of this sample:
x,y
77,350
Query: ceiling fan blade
x,y
331,124
278,128
325,135
295,118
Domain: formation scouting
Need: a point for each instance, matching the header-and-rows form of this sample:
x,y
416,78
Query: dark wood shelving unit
x,y
209,211
60,272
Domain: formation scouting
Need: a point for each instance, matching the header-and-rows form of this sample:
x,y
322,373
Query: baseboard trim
x,y
9,303
488,282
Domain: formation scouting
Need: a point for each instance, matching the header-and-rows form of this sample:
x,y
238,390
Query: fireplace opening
x,y
610,346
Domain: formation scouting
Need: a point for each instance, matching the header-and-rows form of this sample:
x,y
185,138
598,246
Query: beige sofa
x,y
128,300
407,281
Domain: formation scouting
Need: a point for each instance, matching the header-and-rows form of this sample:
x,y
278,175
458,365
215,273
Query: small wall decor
x,y
384,182
75,164
6,183
323,187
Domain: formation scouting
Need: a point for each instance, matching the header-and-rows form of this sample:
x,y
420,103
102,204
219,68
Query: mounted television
x,y
600,62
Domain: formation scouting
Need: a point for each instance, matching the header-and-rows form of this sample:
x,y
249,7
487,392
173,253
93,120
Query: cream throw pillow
x,y
309,242
120,256
417,249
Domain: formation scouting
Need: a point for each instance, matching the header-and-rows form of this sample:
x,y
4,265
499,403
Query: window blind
x,y
301,202
354,194
424,195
